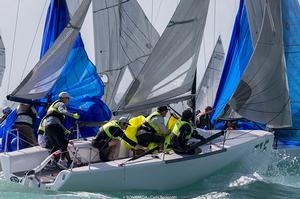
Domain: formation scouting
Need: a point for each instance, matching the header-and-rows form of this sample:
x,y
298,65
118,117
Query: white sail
x,y
2,60
209,84
262,94
255,14
124,39
170,70
37,82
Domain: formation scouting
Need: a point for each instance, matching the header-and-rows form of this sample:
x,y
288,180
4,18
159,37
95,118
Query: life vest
x,y
41,129
176,131
132,130
108,125
154,127
25,115
52,111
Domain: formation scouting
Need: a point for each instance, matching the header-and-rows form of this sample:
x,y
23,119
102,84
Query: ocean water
x,y
277,176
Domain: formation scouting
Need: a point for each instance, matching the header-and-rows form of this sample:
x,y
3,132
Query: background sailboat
x,y
291,21
262,92
207,89
2,60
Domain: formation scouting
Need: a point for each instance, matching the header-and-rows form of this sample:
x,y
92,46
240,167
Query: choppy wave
x,y
214,195
276,175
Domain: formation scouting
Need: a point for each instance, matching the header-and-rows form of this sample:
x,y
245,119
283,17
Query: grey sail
x,y
169,72
262,94
38,82
255,13
2,60
208,86
124,39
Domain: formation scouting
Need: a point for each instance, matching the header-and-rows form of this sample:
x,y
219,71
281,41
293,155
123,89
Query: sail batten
x,y
169,72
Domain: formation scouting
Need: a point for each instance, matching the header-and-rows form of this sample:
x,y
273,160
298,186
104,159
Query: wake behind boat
x,y
162,171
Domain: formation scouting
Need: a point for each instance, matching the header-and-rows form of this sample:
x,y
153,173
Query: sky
x,y
21,28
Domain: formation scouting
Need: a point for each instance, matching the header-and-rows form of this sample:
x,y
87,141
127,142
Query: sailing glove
x,y
67,132
76,116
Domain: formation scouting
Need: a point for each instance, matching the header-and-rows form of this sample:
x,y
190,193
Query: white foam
x,y
85,195
245,180
214,195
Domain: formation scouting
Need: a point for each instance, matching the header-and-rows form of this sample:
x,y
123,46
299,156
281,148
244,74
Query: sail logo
x,y
262,146
14,179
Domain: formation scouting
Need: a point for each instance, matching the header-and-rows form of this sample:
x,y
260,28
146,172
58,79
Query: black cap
x,y
162,109
187,114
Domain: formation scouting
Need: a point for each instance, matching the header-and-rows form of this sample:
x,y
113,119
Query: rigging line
x,y
215,7
123,49
283,107
267,100
258,83
31,47
116,69
151,34
133,41
13,48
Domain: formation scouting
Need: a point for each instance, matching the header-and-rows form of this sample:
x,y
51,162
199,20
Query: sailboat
x,y
208,86
2,60
167,76
267,91
288,138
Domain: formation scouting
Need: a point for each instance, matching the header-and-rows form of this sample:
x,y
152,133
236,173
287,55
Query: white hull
x,y
163,172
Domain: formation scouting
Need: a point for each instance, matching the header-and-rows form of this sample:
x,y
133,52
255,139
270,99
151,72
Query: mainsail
x,y
169,72
124,39
262,94
2,60
209,84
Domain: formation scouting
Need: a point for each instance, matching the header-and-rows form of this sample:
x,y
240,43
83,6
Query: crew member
x,y
55,131
181,134
110,134
26,116
153,128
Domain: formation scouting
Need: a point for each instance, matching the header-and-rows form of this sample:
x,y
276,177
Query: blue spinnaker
x,y
291,32
239,52
6,127
77,75
56,20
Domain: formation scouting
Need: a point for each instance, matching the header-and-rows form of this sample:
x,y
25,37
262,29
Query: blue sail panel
x,y
5,127
291,32
80,79
56,20
239,52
